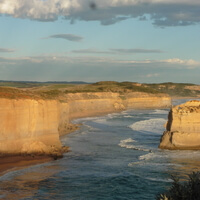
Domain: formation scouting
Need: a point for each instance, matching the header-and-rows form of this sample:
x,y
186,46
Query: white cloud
x,y
173,62
189,62
152,75
95,68
162,12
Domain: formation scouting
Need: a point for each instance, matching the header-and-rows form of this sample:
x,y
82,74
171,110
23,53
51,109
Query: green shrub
x,y
185,190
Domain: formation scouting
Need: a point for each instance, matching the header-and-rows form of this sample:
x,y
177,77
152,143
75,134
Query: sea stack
x,y
183,127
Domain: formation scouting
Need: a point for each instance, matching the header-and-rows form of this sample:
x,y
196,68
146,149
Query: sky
x,y
147,41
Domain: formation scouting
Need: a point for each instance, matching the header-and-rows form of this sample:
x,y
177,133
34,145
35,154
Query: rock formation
x,y
29,126
183,127
33,126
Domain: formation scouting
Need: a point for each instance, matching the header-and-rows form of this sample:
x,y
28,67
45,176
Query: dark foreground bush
x,y
185,190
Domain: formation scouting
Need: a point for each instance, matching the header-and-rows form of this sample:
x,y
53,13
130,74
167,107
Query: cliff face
x,y
90,104
183,127
137,100
34,126
29,126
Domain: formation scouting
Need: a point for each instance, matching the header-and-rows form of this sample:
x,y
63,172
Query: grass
x,y
120,87
50,94
13,93
21,84
185,190
175,89
57,91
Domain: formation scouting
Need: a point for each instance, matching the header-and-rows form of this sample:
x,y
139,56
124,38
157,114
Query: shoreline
x,y
185,98
12,163
16,162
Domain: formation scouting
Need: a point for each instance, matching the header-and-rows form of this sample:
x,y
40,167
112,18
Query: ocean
x,y
113,157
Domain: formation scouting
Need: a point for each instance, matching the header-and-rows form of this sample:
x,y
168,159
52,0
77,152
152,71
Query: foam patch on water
x,y
127,116
159,179
101,121
148,156
150,125
164,112
126,144
114,115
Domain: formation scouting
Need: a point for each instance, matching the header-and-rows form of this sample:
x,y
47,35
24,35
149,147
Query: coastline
x,y
15,162
76,109
12,163
185,98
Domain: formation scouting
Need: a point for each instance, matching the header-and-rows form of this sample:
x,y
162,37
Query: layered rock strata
x,y
30,126
183,127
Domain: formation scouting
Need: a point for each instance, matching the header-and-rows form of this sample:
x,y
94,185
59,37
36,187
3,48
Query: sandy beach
x,y
9,163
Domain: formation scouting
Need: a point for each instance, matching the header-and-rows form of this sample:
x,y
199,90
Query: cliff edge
x,y
34,125
183,127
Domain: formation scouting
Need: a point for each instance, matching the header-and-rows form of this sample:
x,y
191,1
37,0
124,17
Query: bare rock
x,y
183,127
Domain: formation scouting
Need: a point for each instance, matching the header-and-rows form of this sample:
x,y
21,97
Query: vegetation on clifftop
x,y
54,90
177,89
185,190
112,86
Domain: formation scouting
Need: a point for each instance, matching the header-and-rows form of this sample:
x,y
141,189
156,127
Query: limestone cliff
x,y
183,127
29,126
90,104
34,125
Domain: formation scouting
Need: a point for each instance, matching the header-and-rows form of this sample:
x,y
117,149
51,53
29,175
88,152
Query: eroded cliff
x,y
30,126
183,127
34,125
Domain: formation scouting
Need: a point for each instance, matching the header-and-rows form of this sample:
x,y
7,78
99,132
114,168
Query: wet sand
x,y
10,163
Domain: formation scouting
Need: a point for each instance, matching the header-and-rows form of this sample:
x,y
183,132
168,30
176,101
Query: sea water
x,y
114,157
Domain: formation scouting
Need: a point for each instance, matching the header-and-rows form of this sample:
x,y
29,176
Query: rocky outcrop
x,y
183,127
33,126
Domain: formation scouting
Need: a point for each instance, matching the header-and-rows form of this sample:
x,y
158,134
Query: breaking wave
x,y
148,156
163,112
126,144
150,125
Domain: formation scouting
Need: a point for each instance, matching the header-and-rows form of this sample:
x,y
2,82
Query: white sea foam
x,y
150,125
127,116
126,144
148,156
113,115
135,163
101,121
158,179
160,112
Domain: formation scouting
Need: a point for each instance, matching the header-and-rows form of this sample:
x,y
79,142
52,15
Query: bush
x,y
187,190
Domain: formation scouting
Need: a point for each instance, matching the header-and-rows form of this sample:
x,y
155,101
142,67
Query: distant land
x,y
24,84
53,89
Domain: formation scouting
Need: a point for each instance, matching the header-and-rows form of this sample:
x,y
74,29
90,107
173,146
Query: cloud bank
x,y
97,68
162,12
172,62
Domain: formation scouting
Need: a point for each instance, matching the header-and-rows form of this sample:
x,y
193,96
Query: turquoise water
x,y
112,157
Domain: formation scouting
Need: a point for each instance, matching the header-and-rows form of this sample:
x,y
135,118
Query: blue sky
x,y
121,40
